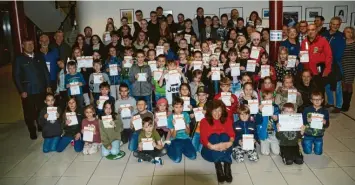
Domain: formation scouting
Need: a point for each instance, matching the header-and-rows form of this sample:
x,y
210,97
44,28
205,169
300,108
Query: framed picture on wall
x,y
167,12
227,10
352,19
311,13
342,12
291,15
127,13
265,13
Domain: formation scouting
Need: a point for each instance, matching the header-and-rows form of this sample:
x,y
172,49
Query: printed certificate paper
x,y
290,122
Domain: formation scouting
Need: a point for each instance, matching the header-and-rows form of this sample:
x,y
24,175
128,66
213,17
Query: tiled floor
x,y
22,162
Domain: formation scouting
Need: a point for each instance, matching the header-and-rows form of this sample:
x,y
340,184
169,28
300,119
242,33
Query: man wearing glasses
x,y
303,31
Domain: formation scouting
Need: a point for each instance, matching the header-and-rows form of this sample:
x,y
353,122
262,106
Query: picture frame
x,y
291,15
227,10
312,12
129,13
352,19
342,12
167,12
265,13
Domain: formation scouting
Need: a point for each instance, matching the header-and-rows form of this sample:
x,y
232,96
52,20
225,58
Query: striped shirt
x,y
348,63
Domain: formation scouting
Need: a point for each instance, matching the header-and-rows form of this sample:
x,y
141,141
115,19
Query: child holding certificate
x,y
245,136
97,78
141,77
229,99
189,102
73,116
110,131
266,124
90,128
136,123
288,93
127,63
161,118
316,120
150,147
282,68
159,91
213,75
103,96
233,70
289,148
74,82
267,85
113,69
265,65
178,123
196,83
50,121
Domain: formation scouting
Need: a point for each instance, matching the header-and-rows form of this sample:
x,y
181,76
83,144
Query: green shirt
x,y
155,136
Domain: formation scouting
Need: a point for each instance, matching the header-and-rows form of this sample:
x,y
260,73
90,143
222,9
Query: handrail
x,y
71,14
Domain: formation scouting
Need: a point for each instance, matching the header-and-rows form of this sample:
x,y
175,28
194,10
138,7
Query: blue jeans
x,y
64,142
196,142
148,100
179,147
133,141
338,95
217,156
215,86
307,144
50,144
115,149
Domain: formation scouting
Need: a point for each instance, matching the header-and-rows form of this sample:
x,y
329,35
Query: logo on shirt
x,y
315,50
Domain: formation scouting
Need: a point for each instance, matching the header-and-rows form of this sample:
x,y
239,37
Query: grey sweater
x,y
131,101
141,88
95,88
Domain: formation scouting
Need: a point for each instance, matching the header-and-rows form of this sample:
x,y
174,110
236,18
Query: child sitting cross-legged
x,y
150,147
290,150
244,132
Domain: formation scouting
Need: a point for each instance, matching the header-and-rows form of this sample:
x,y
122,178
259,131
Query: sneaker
x,y
121,143
336,110
158,160
115,157
140,160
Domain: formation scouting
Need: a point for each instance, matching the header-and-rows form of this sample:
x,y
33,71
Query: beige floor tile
x,y
144,169
171,180
43,180
81,169
129,180
50,169
73,181
333,176
267,178
343,158
109,169
201,180
13,180
104,180
304,176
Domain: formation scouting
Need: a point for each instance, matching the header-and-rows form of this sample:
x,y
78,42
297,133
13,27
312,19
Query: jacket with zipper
x,y
141,88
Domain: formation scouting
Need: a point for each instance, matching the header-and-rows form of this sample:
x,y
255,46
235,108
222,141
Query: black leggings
x,y
149,155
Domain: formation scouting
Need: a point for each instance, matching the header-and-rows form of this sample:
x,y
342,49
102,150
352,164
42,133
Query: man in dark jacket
x,y
63,48
32,80
51,57
153,28
232,23
208,32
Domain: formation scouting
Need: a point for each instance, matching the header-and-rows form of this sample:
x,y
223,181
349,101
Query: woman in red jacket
x,y
217,137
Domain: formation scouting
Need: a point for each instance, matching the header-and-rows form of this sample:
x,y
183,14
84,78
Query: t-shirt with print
x,y
155,136
180,134
95,126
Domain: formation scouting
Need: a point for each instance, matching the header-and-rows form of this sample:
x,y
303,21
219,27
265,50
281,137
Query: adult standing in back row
x,y
32,81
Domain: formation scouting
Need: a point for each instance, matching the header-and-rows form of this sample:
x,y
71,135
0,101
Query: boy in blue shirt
x,y
314,136
103,96
181,142
74,82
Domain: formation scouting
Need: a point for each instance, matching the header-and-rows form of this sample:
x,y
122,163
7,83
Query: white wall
x,y
95,13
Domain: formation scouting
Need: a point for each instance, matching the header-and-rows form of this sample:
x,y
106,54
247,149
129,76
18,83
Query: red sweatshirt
x,y
217,128
231,109
319,51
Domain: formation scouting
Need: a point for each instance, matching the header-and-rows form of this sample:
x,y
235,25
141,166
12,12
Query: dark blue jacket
x,y
311,131
31,74
114,80
52,57
243,127
293,49
337,43
263,121
99,112
77,77
170,55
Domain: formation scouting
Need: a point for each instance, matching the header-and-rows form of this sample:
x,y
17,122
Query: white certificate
x,y
147,143
142,77
74,88
317,121
157,74
159,50
88,134
153,65
206,59
292,95
85,61
98,78
107,37
199,113
137,122
255,52
127,61
248,142
291,61
251,64
179,122
235,69
126,111
162,119
268,109
48,66
253,106
174,77
197,65
290,122
107,121
188,38
186,103
226,98
52,113
113,69
304,57
102,100
216,73
71,116
212,47
265,71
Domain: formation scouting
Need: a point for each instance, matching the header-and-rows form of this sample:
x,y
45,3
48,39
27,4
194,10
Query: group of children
x,y
111,104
